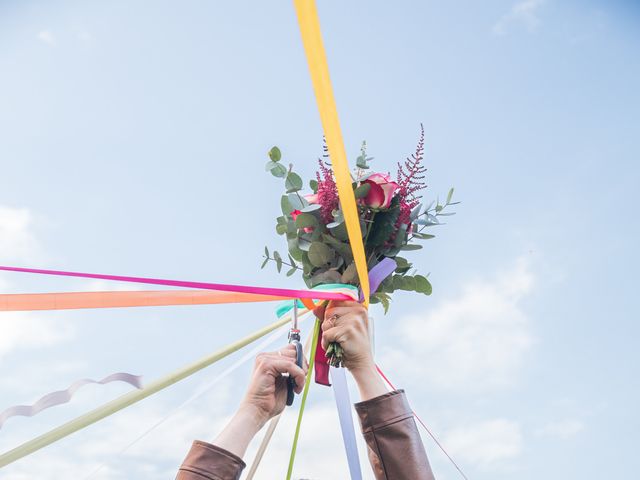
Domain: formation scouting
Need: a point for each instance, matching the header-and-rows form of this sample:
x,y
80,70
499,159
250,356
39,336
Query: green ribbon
x,y
314,342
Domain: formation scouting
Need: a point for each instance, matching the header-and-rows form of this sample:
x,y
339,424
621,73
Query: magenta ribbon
x,y
281,292
376,276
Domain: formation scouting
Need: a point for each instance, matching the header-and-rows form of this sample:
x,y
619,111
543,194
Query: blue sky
x,y
132,141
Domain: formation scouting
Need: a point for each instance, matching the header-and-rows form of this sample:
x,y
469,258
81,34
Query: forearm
x,y
240,430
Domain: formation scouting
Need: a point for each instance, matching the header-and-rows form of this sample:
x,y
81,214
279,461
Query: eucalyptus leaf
x,y
414,213
449,196
264,264
285,205
320,254
274,154
350,274
401,236
343,249
297,201
411,246
329,276
303,244
306,220
281,229
339,231
313,184
266,251
293,183
402,262
311,208
278,260
278,170
294,249
291,271
423,285
423,236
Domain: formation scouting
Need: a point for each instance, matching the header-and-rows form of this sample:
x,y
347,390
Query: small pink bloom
x,y
312,198
295,214
381,191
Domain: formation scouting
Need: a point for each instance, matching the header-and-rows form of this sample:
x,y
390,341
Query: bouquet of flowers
x,y
392,220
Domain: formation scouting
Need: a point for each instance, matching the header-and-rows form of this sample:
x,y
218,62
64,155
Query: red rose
x,y
381,191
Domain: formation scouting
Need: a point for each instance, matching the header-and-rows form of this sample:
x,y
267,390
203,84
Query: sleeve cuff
x,y
212,462
383,410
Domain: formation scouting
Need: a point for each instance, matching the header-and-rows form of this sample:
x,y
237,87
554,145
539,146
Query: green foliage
x,y
320,254
278,260
297,202
306,220
274,154
382,298
285,205
384,225
423,285
350,274
362,190
293,182
276,169
361,161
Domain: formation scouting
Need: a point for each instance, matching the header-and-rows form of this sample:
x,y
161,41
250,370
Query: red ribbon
x,y
321,364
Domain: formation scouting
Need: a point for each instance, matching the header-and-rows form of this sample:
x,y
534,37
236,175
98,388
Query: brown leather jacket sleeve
x,y
206,461
395,448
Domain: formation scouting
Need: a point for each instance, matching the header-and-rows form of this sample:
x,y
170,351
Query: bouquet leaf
x,y
320,255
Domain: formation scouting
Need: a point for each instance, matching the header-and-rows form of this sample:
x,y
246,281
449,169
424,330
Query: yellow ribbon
x,y
319,69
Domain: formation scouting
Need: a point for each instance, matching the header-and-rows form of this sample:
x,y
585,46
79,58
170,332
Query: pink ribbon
x,y
282,292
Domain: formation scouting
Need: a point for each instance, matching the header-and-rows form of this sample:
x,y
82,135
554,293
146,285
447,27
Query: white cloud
x,y
47,37
487,444
475,341
524,13
21,330
562,429
17,242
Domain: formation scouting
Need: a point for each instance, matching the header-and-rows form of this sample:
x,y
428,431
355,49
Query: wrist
x,y
369,382
364,371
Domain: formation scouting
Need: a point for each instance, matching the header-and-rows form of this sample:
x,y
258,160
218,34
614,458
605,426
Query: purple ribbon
x,y
63,396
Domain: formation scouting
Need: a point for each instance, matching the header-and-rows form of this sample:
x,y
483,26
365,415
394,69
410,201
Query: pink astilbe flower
x,y
411,176
410,181
327,196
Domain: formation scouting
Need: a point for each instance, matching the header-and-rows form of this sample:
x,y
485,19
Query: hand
x,y
348,324
267,392
265,398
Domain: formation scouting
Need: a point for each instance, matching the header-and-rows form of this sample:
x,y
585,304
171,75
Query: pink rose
x,y
381,192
